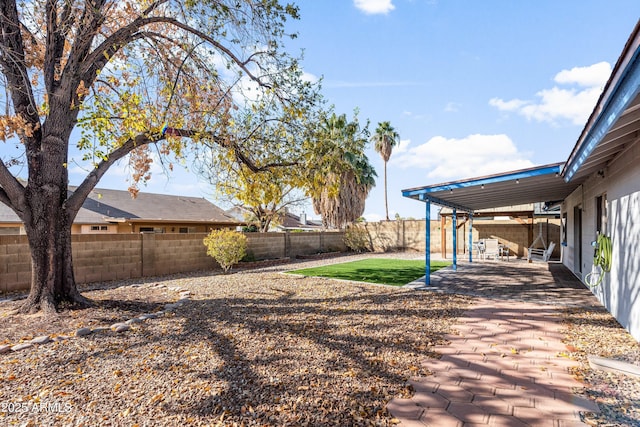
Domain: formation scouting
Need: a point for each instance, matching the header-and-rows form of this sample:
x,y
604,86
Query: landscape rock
x,y
147,316
41,339
4,348
22,346
83,332
120,327
132,321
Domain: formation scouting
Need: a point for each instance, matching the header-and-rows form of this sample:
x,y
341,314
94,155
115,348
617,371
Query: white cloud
x,y
562,104
374,217
502,105
373,7
451,107
474,155
401,147
592,76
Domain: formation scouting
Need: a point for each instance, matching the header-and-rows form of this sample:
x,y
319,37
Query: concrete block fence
x,y
100,257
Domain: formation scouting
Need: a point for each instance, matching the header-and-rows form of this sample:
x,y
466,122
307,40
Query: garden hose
x,y
602,259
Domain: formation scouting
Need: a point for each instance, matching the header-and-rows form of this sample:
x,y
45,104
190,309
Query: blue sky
x,y
473,87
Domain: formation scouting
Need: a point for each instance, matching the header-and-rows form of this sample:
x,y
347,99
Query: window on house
x,y
564,229
601,214
157,230
183,230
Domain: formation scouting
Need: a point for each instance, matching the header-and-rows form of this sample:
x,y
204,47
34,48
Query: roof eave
x,y
621,89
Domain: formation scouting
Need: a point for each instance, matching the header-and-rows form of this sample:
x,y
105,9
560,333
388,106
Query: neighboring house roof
x,y
288,222
104,205
291,221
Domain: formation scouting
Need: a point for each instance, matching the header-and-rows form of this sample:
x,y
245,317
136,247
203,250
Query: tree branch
x,y
14,68
74,203
11,190
97,59
240,156
53,46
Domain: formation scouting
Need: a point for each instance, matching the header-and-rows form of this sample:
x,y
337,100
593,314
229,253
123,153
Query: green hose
x,y
602,259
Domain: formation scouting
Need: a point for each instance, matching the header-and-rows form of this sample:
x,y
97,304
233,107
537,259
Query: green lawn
x,y
384,271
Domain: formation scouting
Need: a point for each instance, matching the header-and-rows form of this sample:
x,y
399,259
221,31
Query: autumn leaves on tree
x,y
131,73
162,81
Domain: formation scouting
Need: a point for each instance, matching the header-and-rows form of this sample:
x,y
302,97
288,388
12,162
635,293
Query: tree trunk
x,y
49,234
386,205
47,222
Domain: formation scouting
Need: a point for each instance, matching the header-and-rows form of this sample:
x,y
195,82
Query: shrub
x,y
357,239
227,247
248,257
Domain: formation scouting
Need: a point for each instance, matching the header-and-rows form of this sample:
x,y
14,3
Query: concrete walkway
x,y
506,364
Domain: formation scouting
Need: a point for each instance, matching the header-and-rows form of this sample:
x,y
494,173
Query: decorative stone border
x,y
184,295
614,366
322,255
260,264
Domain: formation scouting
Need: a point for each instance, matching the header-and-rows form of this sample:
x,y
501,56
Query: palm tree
x,y
341,174
384,140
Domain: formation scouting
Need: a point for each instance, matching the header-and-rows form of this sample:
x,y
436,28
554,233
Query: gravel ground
x,y
596,332
260,348
254,348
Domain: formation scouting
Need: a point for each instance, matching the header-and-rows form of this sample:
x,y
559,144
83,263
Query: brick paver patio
x,y
506,364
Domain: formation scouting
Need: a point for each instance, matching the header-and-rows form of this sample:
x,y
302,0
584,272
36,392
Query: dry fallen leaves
x,y
250,349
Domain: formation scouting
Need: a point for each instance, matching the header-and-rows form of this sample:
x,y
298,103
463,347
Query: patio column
x,y
470,237
455,240
427,250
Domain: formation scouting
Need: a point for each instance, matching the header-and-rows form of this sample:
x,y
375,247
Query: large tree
x,y
130,73
384,139
339,176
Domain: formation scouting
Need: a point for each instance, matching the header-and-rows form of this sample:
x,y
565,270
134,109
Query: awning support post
x,y
470,237
455,243
427,251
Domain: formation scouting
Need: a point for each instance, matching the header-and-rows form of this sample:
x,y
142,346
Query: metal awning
x,y
532,185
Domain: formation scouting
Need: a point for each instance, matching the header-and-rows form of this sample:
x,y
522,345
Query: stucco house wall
x,y
619,291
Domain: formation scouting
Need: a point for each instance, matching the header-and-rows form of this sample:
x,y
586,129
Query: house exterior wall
x,y
619,291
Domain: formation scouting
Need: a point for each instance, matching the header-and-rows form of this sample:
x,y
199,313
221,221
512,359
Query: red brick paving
x,y
505,364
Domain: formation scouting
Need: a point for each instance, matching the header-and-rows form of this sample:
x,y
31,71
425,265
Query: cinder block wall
x,y
15,263
402,235
175,253
266,245
101,257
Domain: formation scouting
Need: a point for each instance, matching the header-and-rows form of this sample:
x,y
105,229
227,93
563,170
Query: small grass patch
x,y
384,271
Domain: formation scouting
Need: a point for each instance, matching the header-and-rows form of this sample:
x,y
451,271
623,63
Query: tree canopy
x,y
130,73
339,175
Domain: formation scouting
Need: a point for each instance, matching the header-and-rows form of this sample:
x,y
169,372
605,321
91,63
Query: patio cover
x,y
532,185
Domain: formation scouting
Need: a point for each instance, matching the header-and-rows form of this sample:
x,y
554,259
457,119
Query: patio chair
x,y
492,248
480,248
535,254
